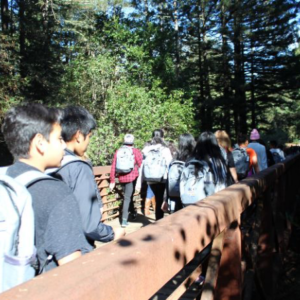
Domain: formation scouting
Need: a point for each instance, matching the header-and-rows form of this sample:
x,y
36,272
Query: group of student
x,y
66,204
49,147
177,177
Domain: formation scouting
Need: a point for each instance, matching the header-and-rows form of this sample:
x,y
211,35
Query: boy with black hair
x,y
277,153
33,136
77,126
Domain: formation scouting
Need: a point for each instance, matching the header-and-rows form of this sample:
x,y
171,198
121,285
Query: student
x,y
150,199
207,149
127,179
259,149
33,136
277,153
243,142
158,187
186,145
77,126
225,142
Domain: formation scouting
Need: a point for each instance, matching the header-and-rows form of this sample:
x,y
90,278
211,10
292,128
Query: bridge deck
x,y
134,225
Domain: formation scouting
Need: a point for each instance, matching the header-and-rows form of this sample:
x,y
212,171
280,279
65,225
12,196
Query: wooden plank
x,y
213,268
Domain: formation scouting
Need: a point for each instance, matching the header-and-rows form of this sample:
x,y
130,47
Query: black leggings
x,y
128,190
158,190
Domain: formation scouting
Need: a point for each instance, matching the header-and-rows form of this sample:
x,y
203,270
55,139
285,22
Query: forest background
x,y
137,65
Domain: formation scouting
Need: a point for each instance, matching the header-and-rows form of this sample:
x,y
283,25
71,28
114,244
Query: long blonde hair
x,y
223,139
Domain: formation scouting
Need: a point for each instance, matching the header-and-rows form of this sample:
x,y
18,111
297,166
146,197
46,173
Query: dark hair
x,y
186,145
76,118
242,139
158,133
158,140
207,149
158,137
273,143
58,113
22,123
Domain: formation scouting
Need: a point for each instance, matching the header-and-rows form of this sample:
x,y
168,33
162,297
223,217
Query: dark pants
x,y
158,190
128,190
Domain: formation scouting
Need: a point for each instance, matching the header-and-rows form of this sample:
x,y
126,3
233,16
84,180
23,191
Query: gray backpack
x,y
154,166
125,160
241,162
17,250
174,175
195,188
276,157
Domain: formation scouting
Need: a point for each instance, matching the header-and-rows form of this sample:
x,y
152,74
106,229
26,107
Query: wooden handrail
x,y
138,266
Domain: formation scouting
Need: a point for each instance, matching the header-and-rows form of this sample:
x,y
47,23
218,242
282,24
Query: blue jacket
x,y
261,154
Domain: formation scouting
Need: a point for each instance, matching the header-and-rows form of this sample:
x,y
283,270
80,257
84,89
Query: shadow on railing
x,y
235,239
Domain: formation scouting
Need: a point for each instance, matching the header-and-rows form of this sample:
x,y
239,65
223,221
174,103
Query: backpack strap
x,y
3,170
31,177
67,159
196,161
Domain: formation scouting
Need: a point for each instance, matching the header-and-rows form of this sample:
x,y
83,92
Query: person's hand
x,y
101,210
164,206
112,186
119,233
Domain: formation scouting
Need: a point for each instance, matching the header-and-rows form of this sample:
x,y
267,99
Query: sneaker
x,y
200,280
124,223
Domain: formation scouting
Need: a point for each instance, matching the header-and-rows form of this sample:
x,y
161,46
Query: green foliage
x,y
178,65
133,109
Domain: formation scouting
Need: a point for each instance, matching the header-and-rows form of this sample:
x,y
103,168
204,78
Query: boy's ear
x,y
38,143
76,136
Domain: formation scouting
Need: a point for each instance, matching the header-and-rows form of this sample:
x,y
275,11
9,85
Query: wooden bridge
x,y
236,239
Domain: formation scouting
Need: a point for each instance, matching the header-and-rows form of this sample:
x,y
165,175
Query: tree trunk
x,y
240,96
201,102
226,72
176,28
4,15
252,85
22,37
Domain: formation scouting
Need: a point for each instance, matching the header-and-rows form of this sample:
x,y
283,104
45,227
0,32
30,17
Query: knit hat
x,y
254,135
128,139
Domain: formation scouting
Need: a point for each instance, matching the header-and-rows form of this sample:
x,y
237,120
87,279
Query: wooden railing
x,y
231,238
112,200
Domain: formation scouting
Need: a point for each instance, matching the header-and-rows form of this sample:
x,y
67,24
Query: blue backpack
x,y
17,251
195,187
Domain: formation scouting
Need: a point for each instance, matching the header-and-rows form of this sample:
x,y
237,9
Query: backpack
x,y
276,157
174,174
125,160
195,188
154,166
241,162
18,261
